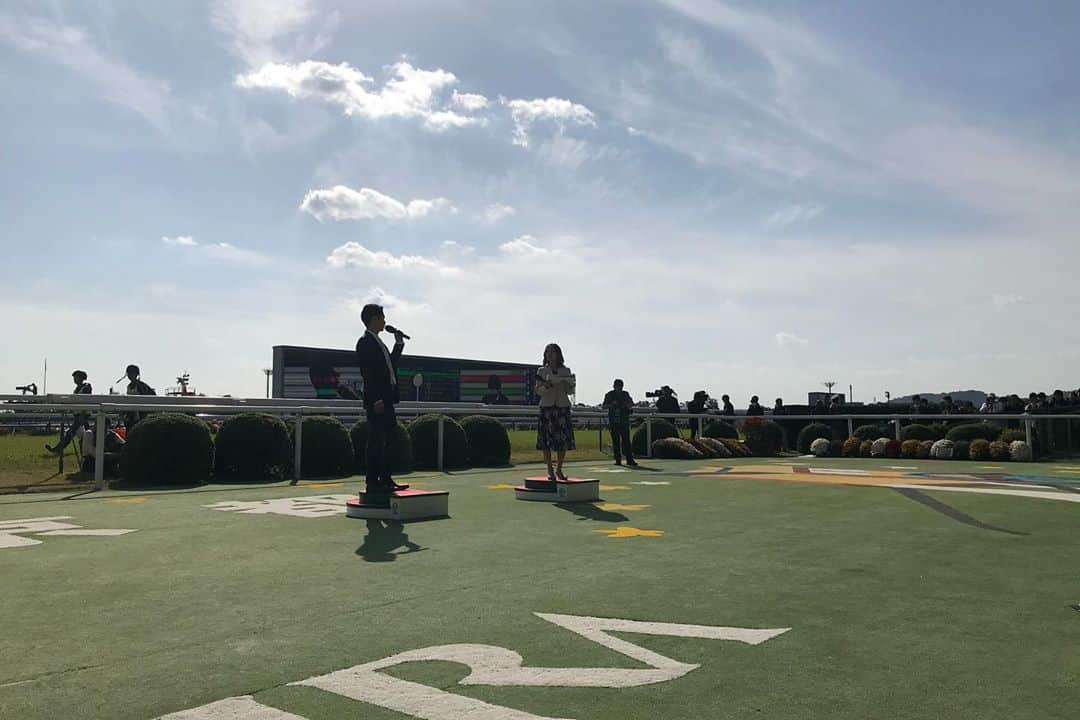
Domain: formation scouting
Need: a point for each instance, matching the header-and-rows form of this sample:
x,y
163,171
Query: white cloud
x,y
255,28
353,254
524,246
497,211
469,102
1006,300
409,92
391,303
110,77
786,339
557,110
344,203
455,246
180,240
793,215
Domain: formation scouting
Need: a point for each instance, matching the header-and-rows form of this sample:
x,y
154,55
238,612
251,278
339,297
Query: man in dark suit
x,y
379,368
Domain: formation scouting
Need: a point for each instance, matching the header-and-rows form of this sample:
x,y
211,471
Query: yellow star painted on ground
x,y
614,487
500,486
617,506
128,500
629,532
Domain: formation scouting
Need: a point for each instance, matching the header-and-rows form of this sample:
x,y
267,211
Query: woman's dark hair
x,y
558,354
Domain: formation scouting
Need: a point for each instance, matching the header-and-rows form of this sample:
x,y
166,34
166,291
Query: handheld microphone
x,y
395,331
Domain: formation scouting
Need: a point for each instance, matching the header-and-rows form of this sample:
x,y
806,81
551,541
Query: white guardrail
x,y
100,407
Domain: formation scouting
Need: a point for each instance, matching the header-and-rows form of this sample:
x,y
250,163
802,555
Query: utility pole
x,y
267,372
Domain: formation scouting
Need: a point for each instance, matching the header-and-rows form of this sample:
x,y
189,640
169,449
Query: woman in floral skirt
x,y
554,385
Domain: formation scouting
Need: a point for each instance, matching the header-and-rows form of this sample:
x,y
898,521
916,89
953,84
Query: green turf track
x,y
896,611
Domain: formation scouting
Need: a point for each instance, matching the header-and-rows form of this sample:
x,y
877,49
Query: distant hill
x,y
975,397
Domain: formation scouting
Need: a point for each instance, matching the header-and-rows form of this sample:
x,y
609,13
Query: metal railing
x,y
101,407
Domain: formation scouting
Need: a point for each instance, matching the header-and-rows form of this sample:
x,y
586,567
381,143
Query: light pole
x,y
267,372
829,384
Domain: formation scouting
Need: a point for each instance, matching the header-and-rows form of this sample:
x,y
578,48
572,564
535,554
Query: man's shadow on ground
x,y
383,538
592,511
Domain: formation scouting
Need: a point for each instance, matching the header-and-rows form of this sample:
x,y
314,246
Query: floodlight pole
x,y
267,372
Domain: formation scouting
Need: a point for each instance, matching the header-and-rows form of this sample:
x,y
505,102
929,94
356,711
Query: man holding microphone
x,y
379,368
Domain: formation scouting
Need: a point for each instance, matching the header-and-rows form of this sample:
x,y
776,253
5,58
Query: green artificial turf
x,y
896,611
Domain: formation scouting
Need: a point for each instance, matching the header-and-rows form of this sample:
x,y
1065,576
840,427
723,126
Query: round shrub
x,y
168,449
865,447
871,432
661,429
737,448
877,448
909,449
1011,435
918,432
810,433
489,443
719,429
942,450
326,450
979,449
820,447
675,448
939,428
252,447
973,431
715,447
961,449
425,442
851,446
892,449
1000,451
925,446
763,437
1020,451
401,457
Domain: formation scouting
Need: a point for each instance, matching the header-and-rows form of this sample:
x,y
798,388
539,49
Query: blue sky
x,y
745,198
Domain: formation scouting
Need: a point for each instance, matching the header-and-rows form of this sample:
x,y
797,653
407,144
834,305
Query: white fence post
x,y
298,443
439,448
1027,431
850,427
897,421
648,437
99,450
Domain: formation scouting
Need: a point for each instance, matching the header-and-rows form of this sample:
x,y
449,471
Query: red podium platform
x,y
570,490
411,504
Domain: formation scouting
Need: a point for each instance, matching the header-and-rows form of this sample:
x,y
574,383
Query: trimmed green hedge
x,y
918,432
974,431
252,447
401,459
763,437
661,429
489,442
168,449
871,432
809,434
326,450
425,442
720,429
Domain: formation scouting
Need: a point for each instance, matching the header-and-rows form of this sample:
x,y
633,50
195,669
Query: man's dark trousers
x,y
620,442
381,435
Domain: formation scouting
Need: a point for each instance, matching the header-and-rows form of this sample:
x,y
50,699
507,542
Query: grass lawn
x,y
25,464
948,601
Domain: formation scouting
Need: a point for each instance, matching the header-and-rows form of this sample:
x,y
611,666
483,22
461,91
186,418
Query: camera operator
x,y
697,407
81,388
666,401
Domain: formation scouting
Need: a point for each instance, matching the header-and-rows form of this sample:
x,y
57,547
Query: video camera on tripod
x,y
27,389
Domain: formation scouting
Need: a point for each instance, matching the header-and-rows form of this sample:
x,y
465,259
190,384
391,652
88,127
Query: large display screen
x,y
302,372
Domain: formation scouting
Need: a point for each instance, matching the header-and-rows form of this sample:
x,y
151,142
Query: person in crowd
x,y
947,405
667,402
989,405
378,366
820,408
728,410
778,407
495,394
754,408
135,386
619,405
696,407
836,404
555,431
82,387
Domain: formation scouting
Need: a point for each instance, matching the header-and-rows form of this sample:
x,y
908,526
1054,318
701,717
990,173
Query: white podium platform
x,y
411,504
570,490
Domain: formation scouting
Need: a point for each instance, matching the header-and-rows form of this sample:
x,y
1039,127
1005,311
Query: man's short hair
x,y
132,368
369,311
79,374
618,382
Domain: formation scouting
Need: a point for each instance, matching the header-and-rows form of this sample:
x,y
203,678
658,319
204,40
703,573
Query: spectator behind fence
x,y
135,387
555,431
819,408
82,387
754,408
989,405
667,402
778,407
619,405
728,409
697,406
836,404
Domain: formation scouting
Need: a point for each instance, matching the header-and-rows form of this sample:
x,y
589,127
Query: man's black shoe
x,y
50,448
619,462
631,463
